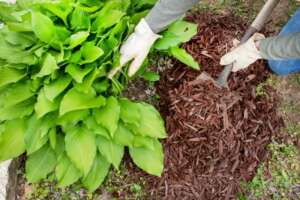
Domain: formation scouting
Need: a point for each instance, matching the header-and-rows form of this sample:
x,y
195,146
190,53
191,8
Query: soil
x,y
217,137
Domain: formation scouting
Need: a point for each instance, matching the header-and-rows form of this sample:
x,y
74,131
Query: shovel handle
x,y
256,26
223,77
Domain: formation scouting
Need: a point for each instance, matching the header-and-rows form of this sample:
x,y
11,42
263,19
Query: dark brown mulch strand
x,y
217,137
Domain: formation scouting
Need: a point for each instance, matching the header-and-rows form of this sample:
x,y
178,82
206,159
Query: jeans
x,y
285,67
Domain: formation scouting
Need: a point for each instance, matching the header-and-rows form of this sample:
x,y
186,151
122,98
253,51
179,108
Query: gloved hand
x,y
136,48
244,55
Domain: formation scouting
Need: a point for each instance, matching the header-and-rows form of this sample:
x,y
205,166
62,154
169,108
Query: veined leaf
x,y
25,26
101,86
78,38
70,119
55,88
80,19
20,110
183,56
111,151
10,75
108,116
151,76
178,32
146,142
81,148
106,19
97,174
49,66
151,123
61,9
151,161
43,27
40,164
15,94
88,81
90,52
130,111
123,136
36,134
12,139
75,100
62,35
96,128
60,145
77,72
66,173
52,138
44,105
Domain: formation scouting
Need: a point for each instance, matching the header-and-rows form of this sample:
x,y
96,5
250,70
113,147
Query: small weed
x,y
49,190
284,170
260,88
120,184
293,128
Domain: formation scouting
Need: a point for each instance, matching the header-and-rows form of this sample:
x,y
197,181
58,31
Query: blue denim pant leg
x,y
285,67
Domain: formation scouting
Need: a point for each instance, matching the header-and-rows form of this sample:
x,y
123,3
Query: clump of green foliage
x,y
56,102
284,170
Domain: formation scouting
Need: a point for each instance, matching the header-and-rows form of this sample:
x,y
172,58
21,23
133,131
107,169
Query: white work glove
x,y
244,55
136,48
9,1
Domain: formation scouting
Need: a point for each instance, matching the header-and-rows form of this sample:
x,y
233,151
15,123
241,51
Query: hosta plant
x,y
57,104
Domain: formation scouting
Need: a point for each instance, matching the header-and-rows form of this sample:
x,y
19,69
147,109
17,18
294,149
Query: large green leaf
x,y
53,138
56,87
36,134
81,148
80,19
96,128
123,136
140,141
108,116
75,100
151,161
17,111
12,139
70,119
49,66
130,111
183,56
90,52
40,164
111,151
78,38
151,123
66,173
44,105
179,32
15,94
97,174
106,19
43,27
10,75
77,72
60,9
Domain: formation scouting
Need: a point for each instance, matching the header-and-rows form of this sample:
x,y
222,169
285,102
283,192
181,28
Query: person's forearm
x,y
281,47
167,11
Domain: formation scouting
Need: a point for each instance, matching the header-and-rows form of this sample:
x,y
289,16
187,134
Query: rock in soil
x,y
217,137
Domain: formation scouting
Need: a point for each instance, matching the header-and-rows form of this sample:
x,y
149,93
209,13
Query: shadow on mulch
x,y
217,138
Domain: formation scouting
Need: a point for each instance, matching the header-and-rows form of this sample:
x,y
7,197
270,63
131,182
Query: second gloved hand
x,y
244,55
136,48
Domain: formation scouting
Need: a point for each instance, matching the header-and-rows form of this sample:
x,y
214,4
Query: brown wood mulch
x,y
217,137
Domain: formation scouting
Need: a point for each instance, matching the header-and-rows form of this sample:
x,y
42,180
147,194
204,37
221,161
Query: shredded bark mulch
x,y
217,137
